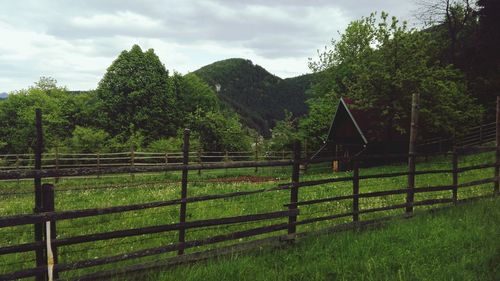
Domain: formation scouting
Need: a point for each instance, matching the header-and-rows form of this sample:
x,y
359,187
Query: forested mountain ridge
x,y
259,97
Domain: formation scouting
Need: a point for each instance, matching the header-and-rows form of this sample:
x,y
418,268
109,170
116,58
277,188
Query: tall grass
x,y
459,243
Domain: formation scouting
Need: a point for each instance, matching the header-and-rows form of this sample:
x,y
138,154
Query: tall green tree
x,y
380,63
134,94
17,115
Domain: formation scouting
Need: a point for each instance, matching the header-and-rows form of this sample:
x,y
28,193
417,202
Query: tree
x,y
455,15
314,126
88,140
189,93
134,94
379,64
284,133
46,83
485,57
17,115
220,131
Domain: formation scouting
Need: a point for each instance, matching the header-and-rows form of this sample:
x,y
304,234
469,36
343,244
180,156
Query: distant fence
x,y
475,136
133,158
47,243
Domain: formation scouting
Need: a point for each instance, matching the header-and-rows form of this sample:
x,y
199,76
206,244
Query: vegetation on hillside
x,y
258,96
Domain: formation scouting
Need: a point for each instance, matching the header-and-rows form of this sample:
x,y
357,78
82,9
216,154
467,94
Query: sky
x,y
76,41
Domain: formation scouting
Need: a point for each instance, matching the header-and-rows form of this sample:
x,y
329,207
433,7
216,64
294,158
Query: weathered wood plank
x,y
149,230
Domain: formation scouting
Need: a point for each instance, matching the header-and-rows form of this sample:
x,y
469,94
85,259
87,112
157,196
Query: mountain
x,y
3,95
257,95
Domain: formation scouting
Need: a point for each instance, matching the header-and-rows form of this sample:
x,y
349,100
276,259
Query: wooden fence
x,y
475,136
45,218
133,158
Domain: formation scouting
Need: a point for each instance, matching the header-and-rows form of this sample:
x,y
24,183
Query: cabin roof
x,y
342,115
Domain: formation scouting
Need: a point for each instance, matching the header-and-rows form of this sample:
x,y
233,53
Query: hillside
x,y
3,95
257,95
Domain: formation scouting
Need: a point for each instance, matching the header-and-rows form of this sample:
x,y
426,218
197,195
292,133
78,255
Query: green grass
x,y
459,243
166,186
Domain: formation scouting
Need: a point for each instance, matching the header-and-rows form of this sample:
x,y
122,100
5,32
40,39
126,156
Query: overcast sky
x,y
75,41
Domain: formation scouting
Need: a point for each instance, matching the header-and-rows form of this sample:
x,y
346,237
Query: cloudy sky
x,y
75,41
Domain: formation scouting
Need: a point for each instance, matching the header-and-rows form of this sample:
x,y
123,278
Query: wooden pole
x,y
256,152
17,166
455,176
48,206
199,160
57,161
98,165
497,167
306,155
355,190
40,254
411,152
166,162
481,133
294,191
226,158
132,158
183,205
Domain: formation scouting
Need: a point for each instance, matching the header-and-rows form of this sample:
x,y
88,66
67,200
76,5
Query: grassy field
x,y
459,243
17,198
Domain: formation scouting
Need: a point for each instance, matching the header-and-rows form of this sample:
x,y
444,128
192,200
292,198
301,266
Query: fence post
x,y
455,176
199,159
256,153
40,257
17,162
98,165
497,166
306,156
411,152
17,166
50,231
226,158
183,205
166,162
132,159
294,192
57,162
355,190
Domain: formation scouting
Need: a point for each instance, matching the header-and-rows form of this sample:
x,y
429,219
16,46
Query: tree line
x,y
378,62
137,104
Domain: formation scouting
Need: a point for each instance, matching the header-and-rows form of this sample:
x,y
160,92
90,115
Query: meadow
x,y
16,197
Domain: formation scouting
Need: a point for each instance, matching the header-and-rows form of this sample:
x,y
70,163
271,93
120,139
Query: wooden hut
x,y
355,132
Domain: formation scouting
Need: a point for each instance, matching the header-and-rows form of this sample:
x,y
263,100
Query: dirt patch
x,y
244,179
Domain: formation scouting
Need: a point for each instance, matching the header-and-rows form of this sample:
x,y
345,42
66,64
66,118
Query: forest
x,y
378,62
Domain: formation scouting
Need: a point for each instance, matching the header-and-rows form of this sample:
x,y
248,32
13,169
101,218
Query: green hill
x,y
257,95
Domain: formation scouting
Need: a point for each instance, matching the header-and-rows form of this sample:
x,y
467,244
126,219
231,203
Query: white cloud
x,y
119,20
75,41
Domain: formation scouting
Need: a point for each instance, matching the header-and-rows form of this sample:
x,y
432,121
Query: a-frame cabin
x,y
352,132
